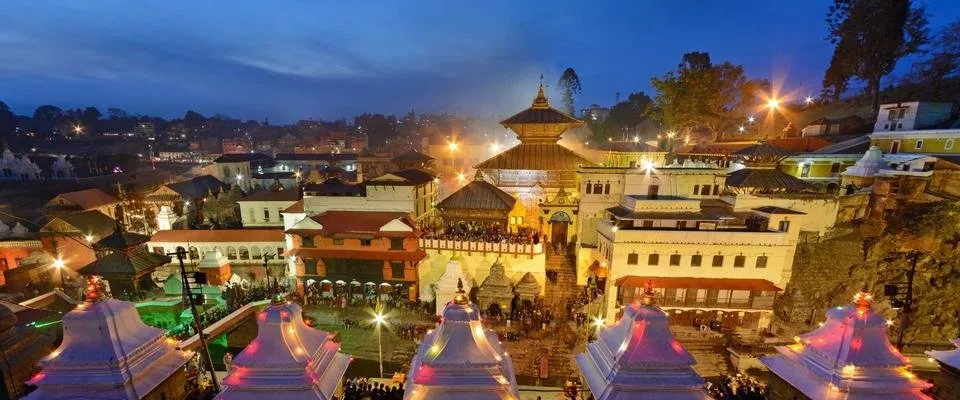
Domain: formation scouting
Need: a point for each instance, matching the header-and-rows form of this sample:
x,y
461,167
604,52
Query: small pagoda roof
x,y
765,178
639,357
538,157
412,156
763,149
540,112
287,360
478,195
119,240
848,357
134,263
461,359
105,346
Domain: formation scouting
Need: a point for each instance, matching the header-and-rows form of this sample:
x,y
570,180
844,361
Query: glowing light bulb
x,y
773,103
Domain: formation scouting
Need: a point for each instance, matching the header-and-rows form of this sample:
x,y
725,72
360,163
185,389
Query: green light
x,y
43,325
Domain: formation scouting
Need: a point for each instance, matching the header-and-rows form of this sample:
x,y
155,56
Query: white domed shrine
x,y
638,358
849,357
288,360
461,360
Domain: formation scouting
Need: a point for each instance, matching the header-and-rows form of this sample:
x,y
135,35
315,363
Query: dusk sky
x,y
290,60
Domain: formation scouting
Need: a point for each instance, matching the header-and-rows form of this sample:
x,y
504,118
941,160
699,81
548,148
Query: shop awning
x,y
698,283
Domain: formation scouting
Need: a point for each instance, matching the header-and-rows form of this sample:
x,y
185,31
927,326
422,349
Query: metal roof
x,y
537,156
478,195
765,179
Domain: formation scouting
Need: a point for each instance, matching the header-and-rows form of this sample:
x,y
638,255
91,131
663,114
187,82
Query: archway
x,y
559,222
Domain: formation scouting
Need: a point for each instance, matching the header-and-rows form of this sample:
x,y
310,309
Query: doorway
x,y
559,222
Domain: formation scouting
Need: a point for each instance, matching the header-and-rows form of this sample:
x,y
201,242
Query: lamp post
x,y
379,320
773,104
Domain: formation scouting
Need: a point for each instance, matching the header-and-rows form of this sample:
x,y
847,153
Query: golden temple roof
x,y
537,156
540,122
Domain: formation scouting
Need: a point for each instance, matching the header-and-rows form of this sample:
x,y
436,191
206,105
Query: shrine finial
x,y
647,297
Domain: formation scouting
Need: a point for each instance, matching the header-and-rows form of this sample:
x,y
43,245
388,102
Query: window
x,y
365,242
762,262
309,266
194,254
158,249
307,242
718,261
244,253
739,261
648,224
681,224
919,145
597,188
633,258
705,190
674,260
255,253
696,260
606,189
396,243
279,251
589,188
805,170
696,190
895,147
716,190
835,168
231,253
338,241
653,191
266,214
784,226
396,269
948,145
653,259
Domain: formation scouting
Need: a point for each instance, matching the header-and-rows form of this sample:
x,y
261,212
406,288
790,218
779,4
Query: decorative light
x,y
636,139
379,318
461,177
58,263
615,228
452,146
808,100
773,103
671,134
751,119
598,322
889,322
741,129
89,238
609,139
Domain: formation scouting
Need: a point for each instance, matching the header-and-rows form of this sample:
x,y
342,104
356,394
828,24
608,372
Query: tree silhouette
x,y
569,85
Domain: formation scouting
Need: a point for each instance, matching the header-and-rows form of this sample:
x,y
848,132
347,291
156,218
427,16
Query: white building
x,y
246,249
848,357
461,360
109,353
911,116
238,168
265,208
287,360
638,357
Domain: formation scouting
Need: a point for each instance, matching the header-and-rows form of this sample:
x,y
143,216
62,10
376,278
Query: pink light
x,y
284,314
676,346
856,343
262,316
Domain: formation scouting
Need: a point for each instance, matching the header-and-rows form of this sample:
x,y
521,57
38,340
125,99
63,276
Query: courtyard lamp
x,y
379,319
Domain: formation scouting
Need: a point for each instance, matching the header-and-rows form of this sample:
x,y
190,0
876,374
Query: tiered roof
x,y
287,360
461,360
849,357
107,353
638,357
478,195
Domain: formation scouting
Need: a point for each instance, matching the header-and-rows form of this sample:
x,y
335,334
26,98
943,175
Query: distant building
x,y
83,200
145,130
912,116
595,113
247,250
264,208
237,168
844,126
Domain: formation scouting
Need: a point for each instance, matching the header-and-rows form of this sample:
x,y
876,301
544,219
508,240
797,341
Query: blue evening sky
x,y
294,59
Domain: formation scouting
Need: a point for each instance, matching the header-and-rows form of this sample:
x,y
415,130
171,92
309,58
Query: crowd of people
x,y
364,389
475,232
736,387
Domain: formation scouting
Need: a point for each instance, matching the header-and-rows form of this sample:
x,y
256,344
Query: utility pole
x,y
196,320
908,301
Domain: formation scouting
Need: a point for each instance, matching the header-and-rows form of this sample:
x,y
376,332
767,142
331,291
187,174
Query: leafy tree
x,y
700,95
835,80
8,121
870,36
48,113
601,131
945,59
630,113
116,113
569,85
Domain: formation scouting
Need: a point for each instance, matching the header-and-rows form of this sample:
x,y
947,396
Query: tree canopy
x,y
869,37
701,95
569,85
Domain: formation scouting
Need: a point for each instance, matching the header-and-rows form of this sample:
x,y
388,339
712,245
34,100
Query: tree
x,y
700,95
569,85
630,113
116,113
48,113
870,36
944,61
835,80
8,121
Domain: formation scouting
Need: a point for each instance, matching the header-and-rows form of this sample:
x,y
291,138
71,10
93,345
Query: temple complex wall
x,y
477,266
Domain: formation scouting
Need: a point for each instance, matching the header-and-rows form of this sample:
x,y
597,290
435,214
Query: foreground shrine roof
x,y
478,195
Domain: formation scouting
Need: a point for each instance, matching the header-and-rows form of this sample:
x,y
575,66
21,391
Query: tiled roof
x,y
218,235
765,179
269,195
358,221
121,240
478,195
295,208
763,149
412,156
315,156
537,156
91,222
698,283
411,176
198,186
133,263
89,199
241,157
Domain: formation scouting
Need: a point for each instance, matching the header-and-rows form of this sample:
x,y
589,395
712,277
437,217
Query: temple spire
x,y
92,291
647,296
461,297
541,100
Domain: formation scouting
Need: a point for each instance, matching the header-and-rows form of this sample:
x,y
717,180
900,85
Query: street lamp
x,y
379,319
59,264
452,146
77,129
773,103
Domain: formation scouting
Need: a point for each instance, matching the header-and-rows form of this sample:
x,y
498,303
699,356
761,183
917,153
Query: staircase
x,y
565,286
708,348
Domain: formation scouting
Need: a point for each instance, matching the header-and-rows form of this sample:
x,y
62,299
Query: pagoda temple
x,y
638,358
538,163
757,170
848,357
461,360
481,204
124,262
287,360
109,353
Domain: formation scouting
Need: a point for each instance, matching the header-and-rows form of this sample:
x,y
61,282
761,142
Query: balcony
x,y
756,302
481,247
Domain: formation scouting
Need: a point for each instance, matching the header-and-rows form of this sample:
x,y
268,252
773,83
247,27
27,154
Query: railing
x,y
223,325
481,247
